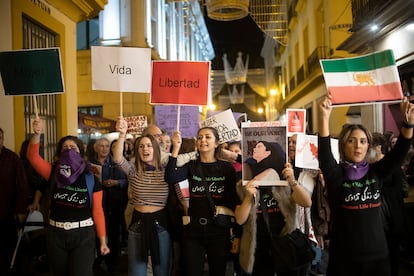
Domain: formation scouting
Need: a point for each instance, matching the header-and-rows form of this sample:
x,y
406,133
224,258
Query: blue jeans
x,y
137,266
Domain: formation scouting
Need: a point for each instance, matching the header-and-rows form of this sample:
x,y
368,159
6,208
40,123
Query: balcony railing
x,y
292,84
364,11
300,75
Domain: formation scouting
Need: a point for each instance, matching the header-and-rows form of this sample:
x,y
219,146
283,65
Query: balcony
x,y
387,14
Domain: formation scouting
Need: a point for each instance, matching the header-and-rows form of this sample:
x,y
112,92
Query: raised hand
x,y
37,126
121,125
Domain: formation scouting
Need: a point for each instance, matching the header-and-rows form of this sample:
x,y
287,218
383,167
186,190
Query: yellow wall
x,y
6,102
56,20
66,40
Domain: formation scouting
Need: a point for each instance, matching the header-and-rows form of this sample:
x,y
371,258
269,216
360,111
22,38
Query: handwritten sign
x,y
136,124
225,124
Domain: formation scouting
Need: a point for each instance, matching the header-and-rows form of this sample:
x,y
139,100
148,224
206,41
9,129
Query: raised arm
x,y
325,109
42,167
176,142
118,148
407,110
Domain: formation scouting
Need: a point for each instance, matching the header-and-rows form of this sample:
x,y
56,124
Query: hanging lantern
x,y
227,10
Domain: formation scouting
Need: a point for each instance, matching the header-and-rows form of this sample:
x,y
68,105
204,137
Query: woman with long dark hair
x,y
206,174
75,209
357,240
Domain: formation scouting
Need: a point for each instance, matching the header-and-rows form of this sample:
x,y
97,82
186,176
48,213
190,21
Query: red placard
x,y
180,82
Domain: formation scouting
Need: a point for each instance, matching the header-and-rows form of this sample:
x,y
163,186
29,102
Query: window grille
x,y
37,36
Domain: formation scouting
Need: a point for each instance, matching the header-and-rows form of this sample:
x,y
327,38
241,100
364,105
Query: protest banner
x,y
306,154
273,133
121,69
31,72
363,79
296,121
225,124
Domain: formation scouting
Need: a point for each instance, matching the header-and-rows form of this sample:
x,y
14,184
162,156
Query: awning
x,y
89,123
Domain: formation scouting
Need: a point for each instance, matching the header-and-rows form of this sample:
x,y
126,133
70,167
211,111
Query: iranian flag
x,y
368,78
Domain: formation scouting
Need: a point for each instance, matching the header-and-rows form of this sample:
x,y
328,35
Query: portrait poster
x,y
264,152
306,156
296,121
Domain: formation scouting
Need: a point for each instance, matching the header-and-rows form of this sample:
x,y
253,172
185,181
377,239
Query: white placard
x,y
122,69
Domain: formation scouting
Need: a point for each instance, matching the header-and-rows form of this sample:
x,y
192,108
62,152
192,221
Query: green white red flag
x,y
363,79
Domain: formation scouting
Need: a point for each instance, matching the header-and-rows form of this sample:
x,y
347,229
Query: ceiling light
x,y
374,27
260,110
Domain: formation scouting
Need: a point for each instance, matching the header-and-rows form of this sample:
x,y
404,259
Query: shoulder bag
x,y
292,251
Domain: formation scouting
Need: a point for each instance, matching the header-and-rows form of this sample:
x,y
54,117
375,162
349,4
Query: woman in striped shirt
x,y
148,234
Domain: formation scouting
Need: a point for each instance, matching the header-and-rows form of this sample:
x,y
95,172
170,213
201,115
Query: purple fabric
x,y
355,171
69,167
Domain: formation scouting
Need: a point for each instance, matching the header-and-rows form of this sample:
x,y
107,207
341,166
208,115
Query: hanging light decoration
x,y
227,10
271,17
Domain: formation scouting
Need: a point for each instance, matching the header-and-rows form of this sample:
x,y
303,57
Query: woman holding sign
x,y
76,213
148,232
357,241
267,208
212,184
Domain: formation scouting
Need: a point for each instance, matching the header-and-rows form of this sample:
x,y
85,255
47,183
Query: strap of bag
x,y
210,199
265,215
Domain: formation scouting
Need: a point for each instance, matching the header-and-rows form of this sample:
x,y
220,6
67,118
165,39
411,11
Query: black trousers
x,y
201,240
71,252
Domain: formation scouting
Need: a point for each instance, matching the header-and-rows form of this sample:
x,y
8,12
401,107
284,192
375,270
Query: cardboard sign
x,y
225,124
296,121
180,82
31,72
136,124
122,69
306,154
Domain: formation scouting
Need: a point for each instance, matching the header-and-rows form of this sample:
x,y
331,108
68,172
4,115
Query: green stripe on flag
x,y
362,63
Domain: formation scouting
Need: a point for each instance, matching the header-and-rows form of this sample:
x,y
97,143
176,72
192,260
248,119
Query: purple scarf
x,y
69,167
355,171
